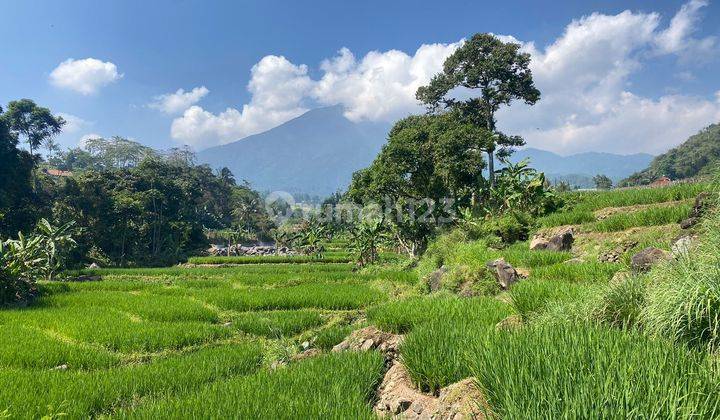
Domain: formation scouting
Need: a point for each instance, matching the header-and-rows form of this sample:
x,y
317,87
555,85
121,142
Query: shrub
x,y
621,303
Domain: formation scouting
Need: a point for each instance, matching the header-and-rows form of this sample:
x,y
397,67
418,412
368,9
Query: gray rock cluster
x,y
238,250
558,241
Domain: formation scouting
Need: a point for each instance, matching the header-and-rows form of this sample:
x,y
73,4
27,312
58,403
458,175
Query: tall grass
x,y
586,272
584,371
683,299
332,386
653,216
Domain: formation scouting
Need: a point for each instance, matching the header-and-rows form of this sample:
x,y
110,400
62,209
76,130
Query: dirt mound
x,y
398,397
371,338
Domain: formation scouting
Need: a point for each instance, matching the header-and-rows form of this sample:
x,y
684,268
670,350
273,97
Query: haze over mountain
x,y
317,153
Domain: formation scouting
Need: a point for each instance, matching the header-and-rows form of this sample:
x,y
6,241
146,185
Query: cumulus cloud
x,y
179,101
73,123
84,76
278,89
584,75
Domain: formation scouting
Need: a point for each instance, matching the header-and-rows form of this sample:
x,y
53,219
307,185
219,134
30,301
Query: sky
x,y
622,77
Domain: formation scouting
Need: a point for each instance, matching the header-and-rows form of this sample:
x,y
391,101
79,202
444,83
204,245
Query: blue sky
x,y
616,76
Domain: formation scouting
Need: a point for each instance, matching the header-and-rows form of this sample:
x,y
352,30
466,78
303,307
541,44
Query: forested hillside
x,y
696,156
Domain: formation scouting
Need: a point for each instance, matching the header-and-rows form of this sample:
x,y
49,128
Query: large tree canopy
x,y
36,125
495,70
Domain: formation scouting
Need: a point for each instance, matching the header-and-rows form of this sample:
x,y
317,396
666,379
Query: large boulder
x,y
434,279
645,259
682,246
559,241
504,273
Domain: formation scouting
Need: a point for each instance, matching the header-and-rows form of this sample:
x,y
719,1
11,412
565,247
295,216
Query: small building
x,y
663,181
57,172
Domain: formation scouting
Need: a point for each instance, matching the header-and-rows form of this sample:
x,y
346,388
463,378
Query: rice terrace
x,y
377,237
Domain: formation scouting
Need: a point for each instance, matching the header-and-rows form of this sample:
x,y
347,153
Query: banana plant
x,y
55,242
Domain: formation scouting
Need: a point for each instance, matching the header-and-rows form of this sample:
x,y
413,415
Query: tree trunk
x,y
491,167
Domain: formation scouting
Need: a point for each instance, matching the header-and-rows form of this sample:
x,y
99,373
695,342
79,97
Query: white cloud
x,y
179,101
73,123
584,75
677,38
382,85
278,89
84,76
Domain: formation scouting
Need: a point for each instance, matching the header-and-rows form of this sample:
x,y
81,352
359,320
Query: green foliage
x,y
17,194
568,371
367,236
496,70
35,124
602,182
510,227
620,305
698,155
519,188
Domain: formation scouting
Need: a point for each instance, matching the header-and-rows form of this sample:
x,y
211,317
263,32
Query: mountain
x,y
578,169
698,155
315,153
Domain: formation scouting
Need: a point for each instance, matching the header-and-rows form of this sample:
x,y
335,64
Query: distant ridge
x,y
580,165
317,153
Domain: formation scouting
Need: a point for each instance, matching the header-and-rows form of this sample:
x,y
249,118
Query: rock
x,y
504,273
689,222
306,354
643,260
614,255
702,202
512,322
682,246
371,338
61,367
84,278
397,396
93,266
462,400
523,273
560,241
620,277
434,279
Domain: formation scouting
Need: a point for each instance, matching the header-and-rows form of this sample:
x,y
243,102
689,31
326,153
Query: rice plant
x,y
332,386
652,216
585,371
80,394
276,324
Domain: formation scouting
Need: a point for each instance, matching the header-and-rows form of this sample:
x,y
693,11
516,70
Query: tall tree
x,y
495,69
37,125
